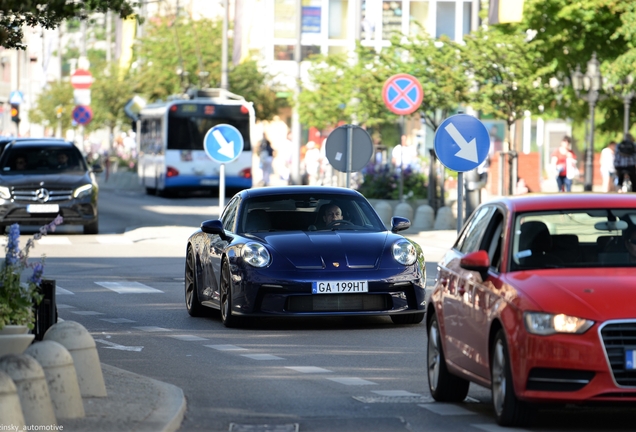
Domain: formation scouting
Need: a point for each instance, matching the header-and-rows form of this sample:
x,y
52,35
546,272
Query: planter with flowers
x,y
17,297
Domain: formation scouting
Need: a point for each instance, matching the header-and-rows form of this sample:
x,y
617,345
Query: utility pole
x,y
224,80
296,127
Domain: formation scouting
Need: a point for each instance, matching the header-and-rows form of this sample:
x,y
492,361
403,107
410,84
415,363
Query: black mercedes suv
x,y
40,179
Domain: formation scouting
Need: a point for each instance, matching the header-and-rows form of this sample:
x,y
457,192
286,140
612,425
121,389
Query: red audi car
x,y
537,301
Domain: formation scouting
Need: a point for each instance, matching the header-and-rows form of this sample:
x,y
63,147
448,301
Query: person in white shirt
x,y
607,166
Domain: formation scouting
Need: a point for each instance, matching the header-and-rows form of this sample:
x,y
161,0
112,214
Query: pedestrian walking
x,y
266,155
608,171
625,161
564,165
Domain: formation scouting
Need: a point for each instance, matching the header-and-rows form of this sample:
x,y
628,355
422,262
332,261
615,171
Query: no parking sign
x,y
402,94
82,114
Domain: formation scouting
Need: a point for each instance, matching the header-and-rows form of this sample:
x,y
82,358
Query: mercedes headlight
x,y
82,191
255,254
5,193
546,324
404,252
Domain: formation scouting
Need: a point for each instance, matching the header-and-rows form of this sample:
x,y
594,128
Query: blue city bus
x,y
170,135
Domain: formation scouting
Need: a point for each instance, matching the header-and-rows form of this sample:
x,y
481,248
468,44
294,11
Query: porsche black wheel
x,y
415,318
444,386
193,305
509,410
227,318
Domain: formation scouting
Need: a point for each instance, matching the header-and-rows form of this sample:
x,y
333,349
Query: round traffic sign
x,y
336,148
82,114
81,79
462,143
223,143
402,94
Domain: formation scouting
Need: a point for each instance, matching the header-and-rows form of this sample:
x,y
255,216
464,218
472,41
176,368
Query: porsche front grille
x,y
618,337
339,303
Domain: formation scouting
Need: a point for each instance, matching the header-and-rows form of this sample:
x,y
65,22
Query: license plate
x,y
43,208
339,287
206,182
630,359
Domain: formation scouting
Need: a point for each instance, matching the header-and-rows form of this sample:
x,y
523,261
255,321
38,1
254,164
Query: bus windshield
x,y
188,124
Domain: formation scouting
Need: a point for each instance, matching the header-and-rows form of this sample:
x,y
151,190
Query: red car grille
x,y
618,337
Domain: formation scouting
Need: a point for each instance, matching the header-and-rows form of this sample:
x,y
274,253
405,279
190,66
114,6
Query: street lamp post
x,y
628,95
591,82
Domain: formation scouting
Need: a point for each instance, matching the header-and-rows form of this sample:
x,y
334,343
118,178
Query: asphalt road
x,y
126,286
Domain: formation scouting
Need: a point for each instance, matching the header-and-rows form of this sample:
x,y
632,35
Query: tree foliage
x,y
184,53
110,92
14,14
57,94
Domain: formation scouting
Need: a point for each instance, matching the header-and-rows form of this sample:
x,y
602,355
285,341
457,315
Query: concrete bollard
x,y
61,378
424,219
81,345
445,219
404,210
28,377
10,408
385,211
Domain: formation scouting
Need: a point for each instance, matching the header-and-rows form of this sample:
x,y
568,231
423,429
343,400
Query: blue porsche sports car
x,y
303,251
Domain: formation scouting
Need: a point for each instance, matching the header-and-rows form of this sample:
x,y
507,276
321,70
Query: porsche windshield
x,y
581,238
316,212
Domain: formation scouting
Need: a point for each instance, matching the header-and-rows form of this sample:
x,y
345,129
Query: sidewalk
x,y
133,403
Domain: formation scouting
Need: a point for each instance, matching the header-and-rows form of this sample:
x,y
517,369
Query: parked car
x,y
41,178
535,300
275,252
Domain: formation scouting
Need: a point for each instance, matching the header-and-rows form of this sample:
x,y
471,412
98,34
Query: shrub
x,y
382,181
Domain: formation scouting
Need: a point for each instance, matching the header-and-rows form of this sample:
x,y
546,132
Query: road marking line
x,y
395,393
495,428
188,338
87,313
64,306
152,329
111,345
226,347
446,409
308,369
352,381
61,291
117,320
262,357
57,240
128,287
113,239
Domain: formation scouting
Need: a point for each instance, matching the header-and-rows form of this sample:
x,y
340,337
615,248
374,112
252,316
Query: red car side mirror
x,y
476,261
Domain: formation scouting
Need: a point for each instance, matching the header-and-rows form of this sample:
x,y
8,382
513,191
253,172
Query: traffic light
x,y
15,113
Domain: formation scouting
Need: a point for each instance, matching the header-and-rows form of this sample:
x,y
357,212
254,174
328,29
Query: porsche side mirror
x,y
214,227
399,224
476,261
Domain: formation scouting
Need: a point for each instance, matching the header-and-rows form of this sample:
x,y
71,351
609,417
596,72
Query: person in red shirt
x,y
564,164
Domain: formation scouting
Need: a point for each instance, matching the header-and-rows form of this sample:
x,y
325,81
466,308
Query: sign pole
x,y
349,153
460,200
221,188
402,133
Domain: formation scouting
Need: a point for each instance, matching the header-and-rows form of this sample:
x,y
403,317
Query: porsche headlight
x,y
404,252
5,193
255,254
546,324
83,191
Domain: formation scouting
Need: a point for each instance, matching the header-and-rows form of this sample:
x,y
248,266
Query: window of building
x,y
308,51
338,15
445,19
284,19
468,18
418,19
391,18
283,52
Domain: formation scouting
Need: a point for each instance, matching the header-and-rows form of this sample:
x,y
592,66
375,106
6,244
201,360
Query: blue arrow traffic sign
x,y
402,94
462,142
223,143
16,97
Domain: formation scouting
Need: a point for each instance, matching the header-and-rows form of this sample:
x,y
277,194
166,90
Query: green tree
x,y
184,53
507,74
56,98
111,90
14,14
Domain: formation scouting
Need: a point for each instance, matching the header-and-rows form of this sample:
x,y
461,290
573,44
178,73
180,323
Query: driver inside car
x,y
332,213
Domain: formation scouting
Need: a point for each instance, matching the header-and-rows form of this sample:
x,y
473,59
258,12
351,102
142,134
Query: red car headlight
x,y
544,324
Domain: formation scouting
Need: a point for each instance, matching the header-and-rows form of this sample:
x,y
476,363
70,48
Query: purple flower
x,y
38,270
13,245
